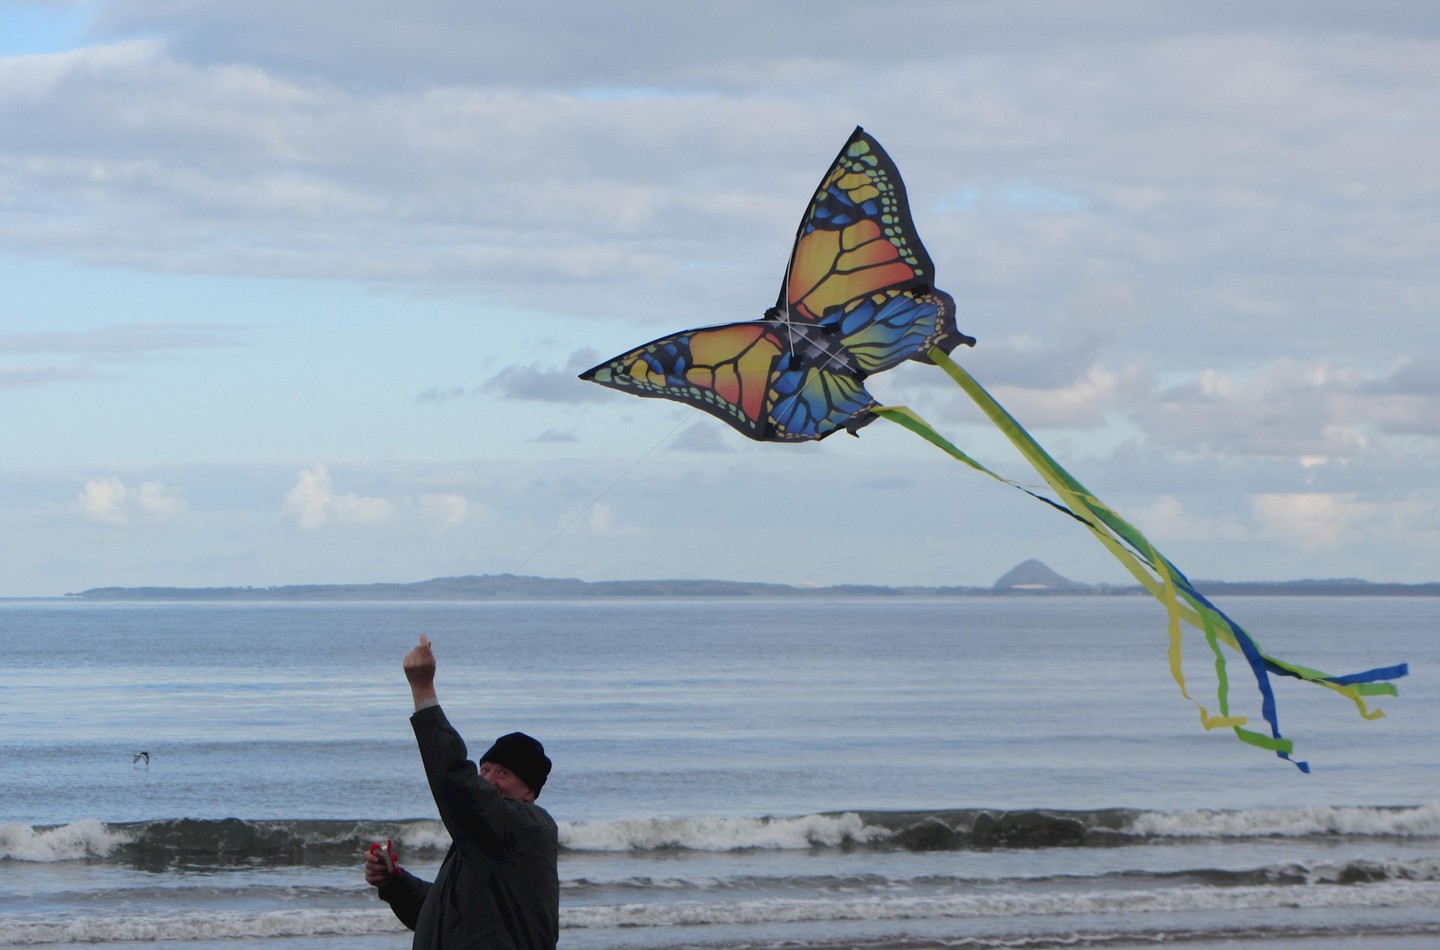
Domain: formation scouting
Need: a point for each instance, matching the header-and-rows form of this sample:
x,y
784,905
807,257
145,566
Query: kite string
x,y
603,492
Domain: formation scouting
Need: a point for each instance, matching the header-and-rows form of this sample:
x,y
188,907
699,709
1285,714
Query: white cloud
x,y
599,519
1167,519
446,510
1311,521
103,499
1317,410
353,509
313,502
1319,522
110,501
308,500
1082,403
600,522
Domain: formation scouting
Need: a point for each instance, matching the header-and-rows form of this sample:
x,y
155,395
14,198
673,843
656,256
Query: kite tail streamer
x,y
1162,579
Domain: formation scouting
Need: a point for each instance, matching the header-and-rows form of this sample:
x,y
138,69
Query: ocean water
x,y
897,773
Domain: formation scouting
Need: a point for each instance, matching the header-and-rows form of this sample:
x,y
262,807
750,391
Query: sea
x,y
895,773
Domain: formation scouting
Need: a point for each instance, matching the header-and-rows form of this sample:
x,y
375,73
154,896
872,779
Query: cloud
x,y
1405,401
447,510
531,383
35,376
1320,411
121,340
1317,522
543,384
704,436
555,436
630,46
110,501
313,502
600,521
1413,375
439,394
94,352
1084,403
1311,521
1166,519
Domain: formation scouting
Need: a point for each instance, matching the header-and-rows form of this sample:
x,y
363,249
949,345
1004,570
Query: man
x,y
498,886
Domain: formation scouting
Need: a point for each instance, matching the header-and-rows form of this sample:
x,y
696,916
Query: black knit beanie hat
x,y
522,755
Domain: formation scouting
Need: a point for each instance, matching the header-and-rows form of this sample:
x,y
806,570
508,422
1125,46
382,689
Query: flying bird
x,y
139,757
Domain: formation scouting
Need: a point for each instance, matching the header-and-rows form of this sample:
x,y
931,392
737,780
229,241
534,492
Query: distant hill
x,y
493,587
1034,577
1334,587
1027,578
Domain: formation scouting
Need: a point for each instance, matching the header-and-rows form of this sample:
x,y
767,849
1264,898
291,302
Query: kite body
x,y
859,298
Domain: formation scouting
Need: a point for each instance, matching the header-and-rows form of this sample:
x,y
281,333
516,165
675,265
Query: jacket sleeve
x,y
471,808
405,893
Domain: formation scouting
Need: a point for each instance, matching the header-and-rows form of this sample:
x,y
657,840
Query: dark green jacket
x,y
498,886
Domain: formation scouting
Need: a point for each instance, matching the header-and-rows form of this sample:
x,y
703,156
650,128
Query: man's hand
x,y
376,873
420,670
420,664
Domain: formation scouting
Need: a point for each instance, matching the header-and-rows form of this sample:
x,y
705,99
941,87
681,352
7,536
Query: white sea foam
x,y
423,835
87,838
998,904
718,834
219,925
1421,821
149,928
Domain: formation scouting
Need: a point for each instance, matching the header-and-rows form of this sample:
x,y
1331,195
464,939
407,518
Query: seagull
x,y
141,756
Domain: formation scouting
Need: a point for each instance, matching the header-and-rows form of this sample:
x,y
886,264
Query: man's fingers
x,y
420,653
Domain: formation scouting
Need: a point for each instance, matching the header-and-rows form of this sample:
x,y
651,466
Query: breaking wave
x,y
235,841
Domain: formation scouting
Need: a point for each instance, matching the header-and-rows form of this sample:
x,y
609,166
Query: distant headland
x,y
1029,578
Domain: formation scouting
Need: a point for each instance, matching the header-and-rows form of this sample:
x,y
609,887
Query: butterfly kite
x,y
859,298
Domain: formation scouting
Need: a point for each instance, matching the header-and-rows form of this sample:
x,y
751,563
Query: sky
x,y
297,293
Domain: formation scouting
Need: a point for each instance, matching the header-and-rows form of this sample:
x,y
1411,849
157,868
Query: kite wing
x,y
858,265
746,375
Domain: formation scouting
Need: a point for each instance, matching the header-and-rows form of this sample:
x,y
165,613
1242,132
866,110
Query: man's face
x,y
506,781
